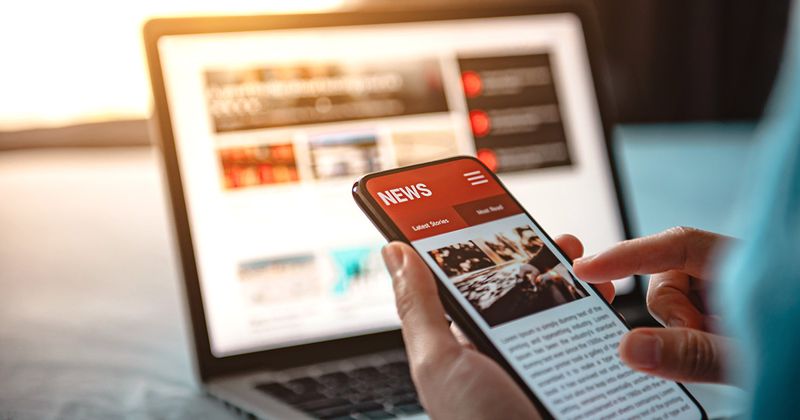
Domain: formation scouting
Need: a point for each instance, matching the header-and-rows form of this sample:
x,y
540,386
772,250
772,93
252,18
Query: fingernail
x,y
676,323
393,257
584,260
643,350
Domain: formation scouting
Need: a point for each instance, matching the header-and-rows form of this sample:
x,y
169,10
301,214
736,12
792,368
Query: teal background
x,y
683,174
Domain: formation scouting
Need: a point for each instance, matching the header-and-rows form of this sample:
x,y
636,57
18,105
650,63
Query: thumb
x,y
680,354
425,330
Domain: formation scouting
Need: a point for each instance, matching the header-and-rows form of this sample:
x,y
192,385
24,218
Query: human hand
x,y
452,378
681,261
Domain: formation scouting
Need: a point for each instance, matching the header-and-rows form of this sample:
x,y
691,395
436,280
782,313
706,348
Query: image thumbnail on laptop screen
x,y
272,127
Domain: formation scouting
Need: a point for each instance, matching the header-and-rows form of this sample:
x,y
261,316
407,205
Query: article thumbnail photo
x,y
411,147
344,154
258,165
461,258
358,269
334,273
509,275
322,92
269,281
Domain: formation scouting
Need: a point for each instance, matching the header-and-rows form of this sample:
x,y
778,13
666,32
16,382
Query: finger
x,y
669,303
680,354
459,335
425,330
686,249
606,290
571,246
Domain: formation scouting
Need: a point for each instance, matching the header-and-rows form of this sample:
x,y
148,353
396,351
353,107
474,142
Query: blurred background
x,y
683,60
80,183
683,73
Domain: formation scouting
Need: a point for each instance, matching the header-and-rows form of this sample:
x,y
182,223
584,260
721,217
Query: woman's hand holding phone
x,y
681,261
456,381
452,378
541,332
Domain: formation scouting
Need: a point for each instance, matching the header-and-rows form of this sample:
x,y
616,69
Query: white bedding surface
x,y
90,316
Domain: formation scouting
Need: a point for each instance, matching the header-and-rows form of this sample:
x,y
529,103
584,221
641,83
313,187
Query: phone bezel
x,y
454,310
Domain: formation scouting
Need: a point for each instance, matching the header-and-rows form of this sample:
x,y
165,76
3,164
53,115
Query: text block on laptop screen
x,y
273,127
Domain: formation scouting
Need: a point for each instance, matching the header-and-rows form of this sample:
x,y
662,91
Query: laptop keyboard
x,y
374,392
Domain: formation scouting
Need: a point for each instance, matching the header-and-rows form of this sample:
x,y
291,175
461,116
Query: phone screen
x,y
554,330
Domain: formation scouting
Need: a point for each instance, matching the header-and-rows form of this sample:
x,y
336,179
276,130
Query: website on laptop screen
x,y
272,128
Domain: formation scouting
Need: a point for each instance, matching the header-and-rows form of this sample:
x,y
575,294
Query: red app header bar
x,y
441,198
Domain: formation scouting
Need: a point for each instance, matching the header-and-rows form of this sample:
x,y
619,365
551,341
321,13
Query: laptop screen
x,y
272,128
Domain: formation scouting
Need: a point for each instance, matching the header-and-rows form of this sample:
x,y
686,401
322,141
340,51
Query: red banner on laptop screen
x,y
437,199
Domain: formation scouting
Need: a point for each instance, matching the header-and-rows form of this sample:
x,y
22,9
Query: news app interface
x,y
552,328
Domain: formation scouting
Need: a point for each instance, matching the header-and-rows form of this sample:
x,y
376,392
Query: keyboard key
x,y
322,404
368,392
404,400
363,387
302,385
413,408
400,391
307,398
276,389
395,366
365,406
366,373
362,397
333,379
334,412
383,391
378,414
345,391
399,368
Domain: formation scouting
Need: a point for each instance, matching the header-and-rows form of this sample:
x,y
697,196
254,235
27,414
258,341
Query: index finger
x,y
686,249
425,330
573,247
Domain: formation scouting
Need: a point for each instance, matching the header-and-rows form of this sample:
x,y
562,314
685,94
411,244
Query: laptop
x,y
264,123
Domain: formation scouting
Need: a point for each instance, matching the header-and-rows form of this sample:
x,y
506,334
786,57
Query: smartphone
x,y
513,292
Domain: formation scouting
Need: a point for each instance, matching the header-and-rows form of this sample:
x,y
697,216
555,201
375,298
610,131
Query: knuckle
x,y
697,355
683,236
656,299
657,291
681,231
654,311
